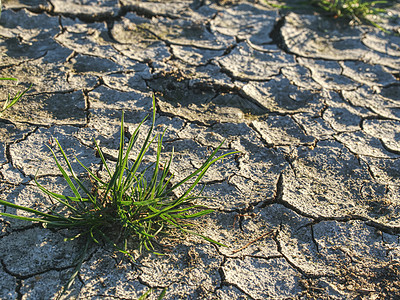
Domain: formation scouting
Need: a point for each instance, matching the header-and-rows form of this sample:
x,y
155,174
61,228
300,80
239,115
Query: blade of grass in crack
x,y
90,172
75,272
143,150
8,103
204,237
202,170
124,160
22,218
149,291
197,171
145,295
8,78
130,178
65,175
56,196
103,160
163,185
116,178
77,180
18,96
27,209
162,295
113,244
153,182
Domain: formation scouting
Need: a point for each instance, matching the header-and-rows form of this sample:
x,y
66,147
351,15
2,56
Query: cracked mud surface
x,y
310,208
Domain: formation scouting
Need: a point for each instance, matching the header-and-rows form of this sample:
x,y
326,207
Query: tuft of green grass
x,y
132,203
355,9
11,101
147,294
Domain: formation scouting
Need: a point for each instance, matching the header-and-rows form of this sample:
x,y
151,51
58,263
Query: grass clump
x,y
132,203
11,101
355,9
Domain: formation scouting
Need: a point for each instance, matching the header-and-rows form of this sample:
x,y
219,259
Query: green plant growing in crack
x,y
130,204
11,101
356,10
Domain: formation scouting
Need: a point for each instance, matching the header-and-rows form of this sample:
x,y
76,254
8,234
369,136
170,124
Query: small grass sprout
x,y
11,101
134,203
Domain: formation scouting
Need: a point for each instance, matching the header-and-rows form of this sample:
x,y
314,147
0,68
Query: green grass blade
x,y
132,142
17,97
8,78
59,197
198,214
23,218
163,182
202,170
145,295
138,161
204,237
120,168
112,185
163,293
91,173
76,270
146,144
140,203
27,209
65,175
153,182
102,158
77,180
197,171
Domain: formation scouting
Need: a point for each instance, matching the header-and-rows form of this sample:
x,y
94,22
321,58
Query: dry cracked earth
x,y
310,207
